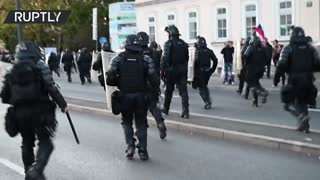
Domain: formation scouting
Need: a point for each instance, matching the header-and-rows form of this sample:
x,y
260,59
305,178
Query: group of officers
x,y
137,72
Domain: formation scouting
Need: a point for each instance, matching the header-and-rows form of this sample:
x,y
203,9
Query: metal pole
x,y
19,26
97,26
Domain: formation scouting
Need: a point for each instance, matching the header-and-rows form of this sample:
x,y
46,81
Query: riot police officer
x,y
84,63
153,99
98,66
299,59
243,71
174,69
68,61
130,71
256,58
157,53
27,88
203,71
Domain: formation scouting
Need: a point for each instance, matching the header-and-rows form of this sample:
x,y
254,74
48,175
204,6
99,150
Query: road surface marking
x,y
12,166
314,110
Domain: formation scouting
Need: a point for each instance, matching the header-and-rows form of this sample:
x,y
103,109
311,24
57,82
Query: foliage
x,y
76,32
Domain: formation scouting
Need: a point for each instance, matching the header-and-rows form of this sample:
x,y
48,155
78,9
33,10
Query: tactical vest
x,y
204,58
25,83
132,74
178,51
301,59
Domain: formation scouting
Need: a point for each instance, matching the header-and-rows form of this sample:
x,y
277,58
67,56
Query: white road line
x,y
314,110
12,166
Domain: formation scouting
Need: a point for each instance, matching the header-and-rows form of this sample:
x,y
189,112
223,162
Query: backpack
x,y
25,82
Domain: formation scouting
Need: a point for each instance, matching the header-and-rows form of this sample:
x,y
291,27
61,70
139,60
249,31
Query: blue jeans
x,y
227,69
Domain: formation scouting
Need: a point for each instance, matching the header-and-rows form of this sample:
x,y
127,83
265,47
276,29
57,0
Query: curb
x,y
265,141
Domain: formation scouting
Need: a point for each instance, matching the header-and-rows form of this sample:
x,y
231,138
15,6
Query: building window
x,y
222,22
152,28
193,25
250,18
285,15
171,19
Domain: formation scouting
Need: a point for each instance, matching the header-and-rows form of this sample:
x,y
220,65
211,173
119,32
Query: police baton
x,y
72,127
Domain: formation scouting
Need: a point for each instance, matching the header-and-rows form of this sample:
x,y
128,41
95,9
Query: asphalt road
x,y
226,102
182,156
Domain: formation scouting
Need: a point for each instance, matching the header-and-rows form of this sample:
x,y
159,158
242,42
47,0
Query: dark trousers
x,y
85,75
30,129
54,70
242,78
134,108
268,66
155,111
180,80
204,77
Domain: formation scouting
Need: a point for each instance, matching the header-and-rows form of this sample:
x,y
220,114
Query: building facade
x,y
222,20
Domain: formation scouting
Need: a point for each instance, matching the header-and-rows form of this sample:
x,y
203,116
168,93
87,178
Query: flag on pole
x,y
260,33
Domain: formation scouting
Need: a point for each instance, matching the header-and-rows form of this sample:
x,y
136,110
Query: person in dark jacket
x,y
130,71
269,50
243,71
53,63
174,70
256,58
227,52
98,66
33,95
153,99
277,48
84,65
203,69
68,61
300,60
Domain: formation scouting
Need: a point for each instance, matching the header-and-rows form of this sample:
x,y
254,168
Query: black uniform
x,y
130,72
299,59
98,66
68,61
243,71
53,63
84,65
174,69
203,70
269,58
256,58
27,88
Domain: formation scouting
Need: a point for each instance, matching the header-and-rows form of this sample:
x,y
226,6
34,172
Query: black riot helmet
x,y
153,45
28,50
201,42
173,30
132,43
143,38
297,33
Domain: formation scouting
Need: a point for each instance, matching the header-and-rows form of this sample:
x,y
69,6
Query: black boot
x,y
165,111
34,174
207,106
185,114
162,130
130,152
143,153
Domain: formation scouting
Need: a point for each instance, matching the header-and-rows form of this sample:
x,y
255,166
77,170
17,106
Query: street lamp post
x,y
19,26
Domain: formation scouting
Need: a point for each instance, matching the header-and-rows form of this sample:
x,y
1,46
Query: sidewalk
x,y
275,137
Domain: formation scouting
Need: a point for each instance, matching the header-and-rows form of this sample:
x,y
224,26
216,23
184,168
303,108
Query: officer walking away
x,y
27,88
84,65
203,70
256,58
153,97
174,70
244,69
157,54
53,63
130,71
300,60
98,66
68,61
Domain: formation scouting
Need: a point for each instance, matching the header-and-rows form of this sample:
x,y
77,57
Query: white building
x,y
222,20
